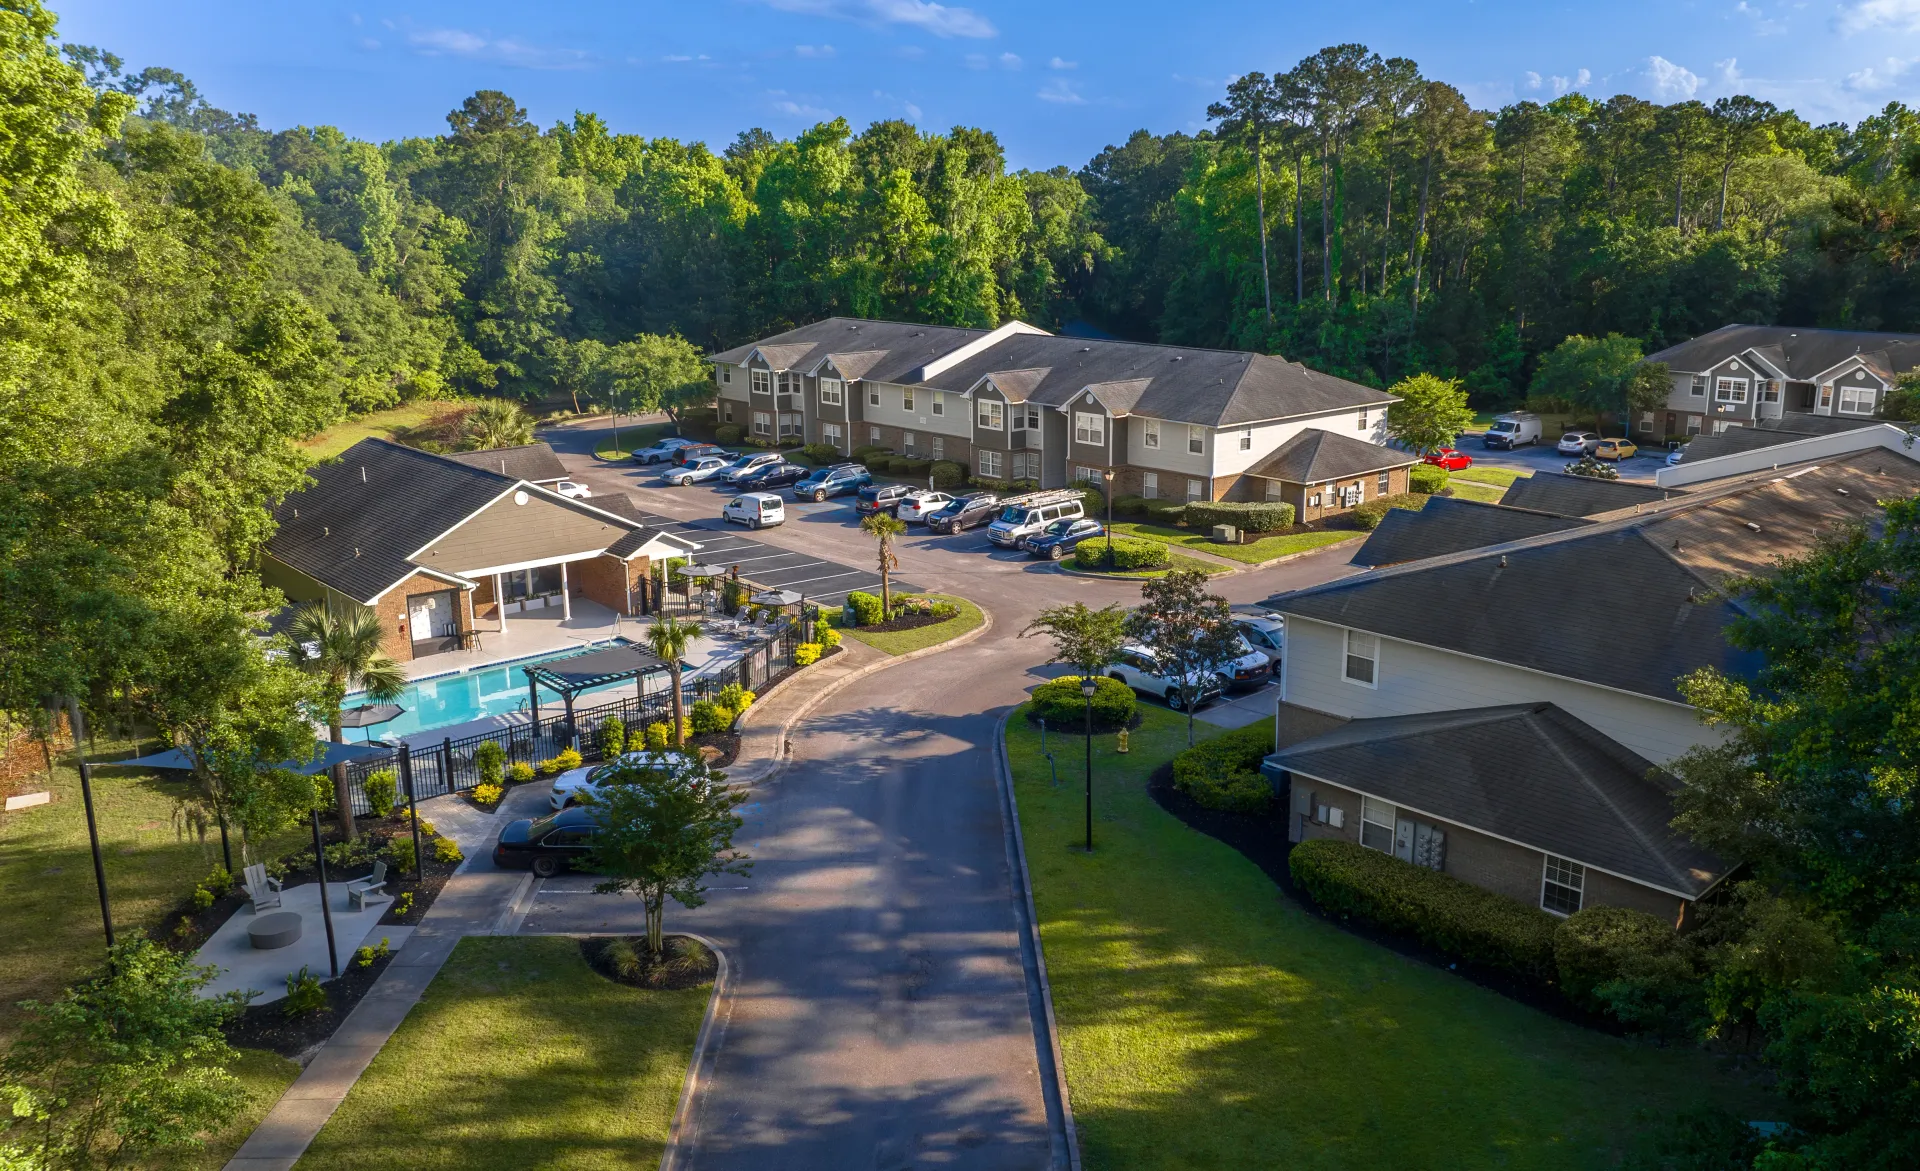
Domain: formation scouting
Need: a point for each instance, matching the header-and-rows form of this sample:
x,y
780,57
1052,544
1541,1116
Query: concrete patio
x,y
536,633
243,967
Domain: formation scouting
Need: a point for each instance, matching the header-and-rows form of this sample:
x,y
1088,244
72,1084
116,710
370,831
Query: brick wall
x,y
609,581
395,638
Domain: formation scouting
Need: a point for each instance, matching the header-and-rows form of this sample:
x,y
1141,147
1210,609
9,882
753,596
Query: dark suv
x,y
1062,537
881,498
967,512
834,481
700,451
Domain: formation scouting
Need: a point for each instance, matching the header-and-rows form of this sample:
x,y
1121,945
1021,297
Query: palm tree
x,y
668,639
883,528
496,423
344,651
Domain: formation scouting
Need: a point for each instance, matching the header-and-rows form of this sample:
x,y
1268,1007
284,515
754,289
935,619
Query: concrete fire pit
x,y
280,929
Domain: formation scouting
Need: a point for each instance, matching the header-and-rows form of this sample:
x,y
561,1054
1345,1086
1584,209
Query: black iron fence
x,y
448,766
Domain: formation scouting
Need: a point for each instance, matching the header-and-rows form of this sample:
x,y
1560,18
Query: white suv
x,y
1137,668
916,506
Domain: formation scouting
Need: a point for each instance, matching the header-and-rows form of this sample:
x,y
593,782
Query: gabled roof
x,y
646,534
1529,773
1317,455
1564,495
1803,353
1771,433
532,462
1449,525
854,366
1016,384
902,347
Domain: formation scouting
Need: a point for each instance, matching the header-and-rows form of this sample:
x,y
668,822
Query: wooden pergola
x,y
571,676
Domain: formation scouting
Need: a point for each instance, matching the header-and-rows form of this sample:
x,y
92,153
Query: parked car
x,y
547,845
1512,430
756,510
834,481
1062,537
1449,459
921,503
687,455
710,468
1676,452
747,463
1137,668
880,498
1267,633
774,475
1023,516
1578,443
964,512
570,787
1248,669
572,490
661,451
1616,449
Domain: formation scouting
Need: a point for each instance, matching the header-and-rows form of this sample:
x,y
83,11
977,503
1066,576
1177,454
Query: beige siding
x,y
1266,438
506,533
921,420
1414,678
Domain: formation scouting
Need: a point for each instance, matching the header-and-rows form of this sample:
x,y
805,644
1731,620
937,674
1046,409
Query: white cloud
x,y
813,51
1582,78
1763,25
454,42
1061,92
1010,61
1533,79
913,111
369,44
782,104
924,15
1868,14
1671,81
1874,79
676,57
1058,63
1729,71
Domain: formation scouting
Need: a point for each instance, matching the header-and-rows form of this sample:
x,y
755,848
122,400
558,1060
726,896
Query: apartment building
x,y
1803,381
1019,403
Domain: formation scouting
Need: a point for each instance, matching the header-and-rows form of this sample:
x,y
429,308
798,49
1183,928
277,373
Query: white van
x,y
756,510
1025,516
1512,430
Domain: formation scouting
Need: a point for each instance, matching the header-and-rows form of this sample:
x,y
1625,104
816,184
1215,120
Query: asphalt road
x,y
884,1014
1542,458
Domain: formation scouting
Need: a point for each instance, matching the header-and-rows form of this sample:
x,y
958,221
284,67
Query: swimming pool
x,y
498,688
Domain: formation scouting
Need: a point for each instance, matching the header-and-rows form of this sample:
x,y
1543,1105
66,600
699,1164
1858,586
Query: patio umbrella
x,y
330,755
701,570
369,714
776,598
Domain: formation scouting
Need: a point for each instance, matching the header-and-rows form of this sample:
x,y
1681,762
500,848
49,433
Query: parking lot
x,y
1541,457
821,580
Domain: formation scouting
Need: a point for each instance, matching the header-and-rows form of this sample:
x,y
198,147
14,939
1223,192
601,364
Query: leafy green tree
x,y
1090,639
125,1065
1249,117
1601,375
1431,413
342,650
655,372
668,638
496,422
1190,632
661,830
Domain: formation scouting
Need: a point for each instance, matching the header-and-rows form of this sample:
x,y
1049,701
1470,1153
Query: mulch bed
x,y
727,744
1262,840
267,1026
910,622
685,963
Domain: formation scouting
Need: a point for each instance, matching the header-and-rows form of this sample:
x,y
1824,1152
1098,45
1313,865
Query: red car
x,y
1449,459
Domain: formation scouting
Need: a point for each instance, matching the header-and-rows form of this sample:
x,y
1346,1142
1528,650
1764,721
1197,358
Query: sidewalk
x,y
470,904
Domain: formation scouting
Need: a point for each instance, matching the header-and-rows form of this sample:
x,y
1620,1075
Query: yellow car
x,y
1615,449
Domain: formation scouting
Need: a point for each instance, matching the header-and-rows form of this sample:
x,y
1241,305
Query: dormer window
x,y
1698,387
762,382
1730,390
992,417
1856,400
832,392
1089,428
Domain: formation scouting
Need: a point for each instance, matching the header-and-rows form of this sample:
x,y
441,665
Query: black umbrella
x,y
369,714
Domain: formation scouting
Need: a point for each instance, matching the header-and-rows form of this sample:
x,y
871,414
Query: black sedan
x,y
778,475
1062,537
547,845
968,512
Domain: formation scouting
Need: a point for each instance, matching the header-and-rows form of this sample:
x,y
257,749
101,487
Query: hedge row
x,y
1346,878
1370,514
1264,516
1129,554
1060,704
1224,772
1426,479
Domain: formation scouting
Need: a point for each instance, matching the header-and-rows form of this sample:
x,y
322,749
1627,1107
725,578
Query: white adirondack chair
x,y
262,891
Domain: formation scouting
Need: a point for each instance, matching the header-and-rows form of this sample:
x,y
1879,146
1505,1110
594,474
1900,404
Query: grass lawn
x,y
519,1055
632,439
1177,561
1485,493
388,424
50,930
1488,474
265,1076
899,642
1251,553
1207,1021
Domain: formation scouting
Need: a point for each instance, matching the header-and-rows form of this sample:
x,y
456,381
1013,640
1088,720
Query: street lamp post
x,y
77,724
1108,476
1086,688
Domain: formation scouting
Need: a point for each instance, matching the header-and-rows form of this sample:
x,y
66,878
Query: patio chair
x,y
262,891
360,888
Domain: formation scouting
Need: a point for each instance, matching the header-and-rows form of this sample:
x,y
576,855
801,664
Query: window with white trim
x,y
830,433
762,382
939,448
1150,485
1826,395
873,436
992,415
1089,428
1274,490
1376,824
1386,483
1363,420
873,394
726,374
1246,440
762,423
1026,465
832,392
1363,659
906,398
990,463
1562,886
1196,439
1730,390
1150,433
908,441
1698,386
1769,392
939,403
1856,400
726,411
1090,475
1196,490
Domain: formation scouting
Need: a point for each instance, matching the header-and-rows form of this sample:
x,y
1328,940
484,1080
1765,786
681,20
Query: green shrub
x,y
305,996
400,853
202,898
558,763
806,654
446,850
866,608
1630,965
657,735
708,717
383,790
1060,704
821,453
1130,505
488,758
947,475
727,433
613,737
1426,479
733,595
488,795
520,772
917,468
1263,516
1093,498
1224,772
365,957
1129,554
734,699
1166,512
829,637
218,881
1456,917
1369,515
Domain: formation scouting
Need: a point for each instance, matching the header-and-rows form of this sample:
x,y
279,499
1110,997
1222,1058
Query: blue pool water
x,y
445,700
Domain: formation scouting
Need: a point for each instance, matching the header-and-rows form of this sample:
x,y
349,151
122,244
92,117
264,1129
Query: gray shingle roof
x,y
1317,455
532,462
1801,352
1770,433
1447,525
1564,495
1530,773
901,347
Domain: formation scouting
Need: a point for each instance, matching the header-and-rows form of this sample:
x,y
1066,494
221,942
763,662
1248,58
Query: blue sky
x,y
1057,80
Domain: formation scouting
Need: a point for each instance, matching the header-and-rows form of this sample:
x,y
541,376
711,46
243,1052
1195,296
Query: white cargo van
x,y
1513,429
1023,516
756,510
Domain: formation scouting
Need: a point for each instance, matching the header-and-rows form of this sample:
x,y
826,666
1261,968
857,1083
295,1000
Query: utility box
x,y
1226,535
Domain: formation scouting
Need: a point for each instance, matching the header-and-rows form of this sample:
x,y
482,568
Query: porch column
x,y
566,595
500,602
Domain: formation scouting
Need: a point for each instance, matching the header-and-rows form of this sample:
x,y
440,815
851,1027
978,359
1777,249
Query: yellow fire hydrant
x,y
1121,747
